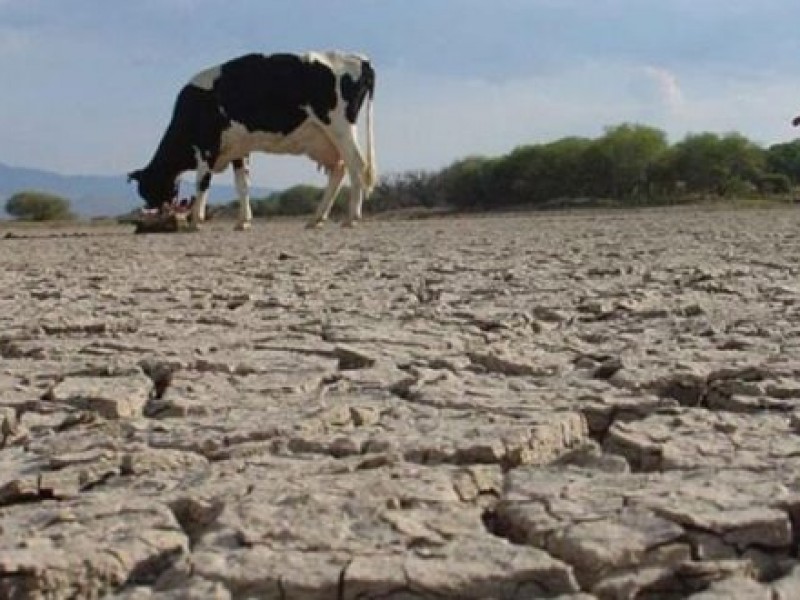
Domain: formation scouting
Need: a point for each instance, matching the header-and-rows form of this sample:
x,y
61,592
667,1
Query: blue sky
x,y
88,85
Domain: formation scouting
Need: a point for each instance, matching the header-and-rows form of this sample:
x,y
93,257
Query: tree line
x,y
630,164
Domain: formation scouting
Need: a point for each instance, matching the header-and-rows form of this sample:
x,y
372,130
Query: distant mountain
x,y
99,195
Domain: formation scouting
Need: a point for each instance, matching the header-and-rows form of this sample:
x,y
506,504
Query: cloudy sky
x,y
88,85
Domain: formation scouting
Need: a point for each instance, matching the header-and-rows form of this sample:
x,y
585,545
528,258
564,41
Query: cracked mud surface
x,y
590,405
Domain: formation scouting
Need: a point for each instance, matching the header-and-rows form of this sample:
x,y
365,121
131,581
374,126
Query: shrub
x,y
38,206
775,183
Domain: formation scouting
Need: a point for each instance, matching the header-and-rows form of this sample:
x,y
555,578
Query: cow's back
x,y
271,93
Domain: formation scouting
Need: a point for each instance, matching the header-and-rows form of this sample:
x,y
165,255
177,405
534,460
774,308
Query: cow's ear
x,y
134,176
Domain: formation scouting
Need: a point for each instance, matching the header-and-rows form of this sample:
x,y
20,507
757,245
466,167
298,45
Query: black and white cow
x,y
279,103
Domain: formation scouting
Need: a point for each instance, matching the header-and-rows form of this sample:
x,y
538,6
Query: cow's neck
x,y
172,157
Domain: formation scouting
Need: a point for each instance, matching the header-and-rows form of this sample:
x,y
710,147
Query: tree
x,y
518,176
775,183
404,190
469,183
723,165
746,162
261,207
38,206
538,173
785,160
298,200
621,161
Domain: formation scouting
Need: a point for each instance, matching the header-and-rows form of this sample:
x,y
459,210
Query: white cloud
x,y
668,87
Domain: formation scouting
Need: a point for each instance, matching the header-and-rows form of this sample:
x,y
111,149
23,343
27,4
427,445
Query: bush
x,y
38,206
410,189
775,183
299,200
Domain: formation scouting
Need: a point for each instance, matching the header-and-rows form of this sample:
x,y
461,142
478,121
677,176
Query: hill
x,y
97,195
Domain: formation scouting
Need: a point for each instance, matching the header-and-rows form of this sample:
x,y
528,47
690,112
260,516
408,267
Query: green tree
x,y
469,183
620,163
266,206
746,163
785,160
404,190
722,165
38,206
566,173
538,173
518,176
775,183
298,200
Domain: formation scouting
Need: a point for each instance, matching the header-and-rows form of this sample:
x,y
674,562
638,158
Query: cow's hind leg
x,y
347,143
356,192
201,195
335,179
241,176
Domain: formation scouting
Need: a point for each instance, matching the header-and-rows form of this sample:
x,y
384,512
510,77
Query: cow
x,y
302,104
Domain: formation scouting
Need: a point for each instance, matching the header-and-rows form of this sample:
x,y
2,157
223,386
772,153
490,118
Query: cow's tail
x,y
370,171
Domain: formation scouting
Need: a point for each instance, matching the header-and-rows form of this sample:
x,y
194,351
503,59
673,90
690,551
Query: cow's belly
x,y
308,139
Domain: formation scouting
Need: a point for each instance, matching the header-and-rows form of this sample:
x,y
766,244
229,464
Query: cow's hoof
x,y
349,223
243,226
315,224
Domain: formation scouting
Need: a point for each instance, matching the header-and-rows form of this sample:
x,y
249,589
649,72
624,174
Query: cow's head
x,y
154,189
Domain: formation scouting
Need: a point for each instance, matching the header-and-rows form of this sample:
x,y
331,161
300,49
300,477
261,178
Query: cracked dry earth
x,y
574,406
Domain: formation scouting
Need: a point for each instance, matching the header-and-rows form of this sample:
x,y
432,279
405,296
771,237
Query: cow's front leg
x,y
241,177
201,195
335,178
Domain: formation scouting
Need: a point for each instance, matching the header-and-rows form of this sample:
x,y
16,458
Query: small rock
x,y
547,314
364,416
110,397
351,358
607,368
